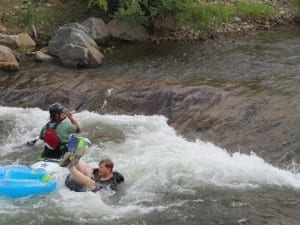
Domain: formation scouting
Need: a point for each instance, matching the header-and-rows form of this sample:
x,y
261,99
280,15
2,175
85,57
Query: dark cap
x,y
56,108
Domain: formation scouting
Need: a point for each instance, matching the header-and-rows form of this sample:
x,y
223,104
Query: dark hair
x,y
107,163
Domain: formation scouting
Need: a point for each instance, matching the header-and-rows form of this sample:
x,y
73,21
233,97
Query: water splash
x,y
155,161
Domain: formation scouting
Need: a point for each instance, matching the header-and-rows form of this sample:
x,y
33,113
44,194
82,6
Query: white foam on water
x,y
25,124
154,160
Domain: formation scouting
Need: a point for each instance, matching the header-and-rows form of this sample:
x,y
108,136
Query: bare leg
x,y
82,174
85,169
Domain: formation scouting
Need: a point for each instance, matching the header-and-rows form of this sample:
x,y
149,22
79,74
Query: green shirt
x,y
63,130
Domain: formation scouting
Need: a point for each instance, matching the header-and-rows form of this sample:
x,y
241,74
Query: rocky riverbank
x,y
81,44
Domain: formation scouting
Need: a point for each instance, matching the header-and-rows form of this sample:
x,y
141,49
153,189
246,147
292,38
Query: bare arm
x,y
73,121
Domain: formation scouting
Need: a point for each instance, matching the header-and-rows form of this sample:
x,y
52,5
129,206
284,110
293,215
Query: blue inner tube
x,y
20,180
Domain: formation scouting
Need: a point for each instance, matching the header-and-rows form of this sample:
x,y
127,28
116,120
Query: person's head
x,y
105,166
56,111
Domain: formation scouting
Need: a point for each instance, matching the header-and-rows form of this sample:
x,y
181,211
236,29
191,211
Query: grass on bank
x,y
214,13
19,15
202,14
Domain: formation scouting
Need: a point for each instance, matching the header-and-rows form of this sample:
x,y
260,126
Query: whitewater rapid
x,y
153,158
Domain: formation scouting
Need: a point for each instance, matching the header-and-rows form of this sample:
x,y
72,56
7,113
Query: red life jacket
x,y
51,139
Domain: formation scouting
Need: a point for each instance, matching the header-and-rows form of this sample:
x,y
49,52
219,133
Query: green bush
x,y
140,10
102,4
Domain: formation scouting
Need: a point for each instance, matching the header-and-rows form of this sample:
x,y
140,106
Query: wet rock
x,y
179,104
8,61
127,31
78,56
97,30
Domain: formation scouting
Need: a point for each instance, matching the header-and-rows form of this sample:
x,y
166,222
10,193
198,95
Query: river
x,y
168,178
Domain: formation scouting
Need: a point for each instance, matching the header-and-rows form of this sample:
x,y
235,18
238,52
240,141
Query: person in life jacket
x,y
84,178
57,131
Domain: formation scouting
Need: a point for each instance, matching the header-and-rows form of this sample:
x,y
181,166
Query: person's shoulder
x,y
66,123
118,177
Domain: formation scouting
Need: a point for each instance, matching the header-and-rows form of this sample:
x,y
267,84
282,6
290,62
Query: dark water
x,y
257,57
169,180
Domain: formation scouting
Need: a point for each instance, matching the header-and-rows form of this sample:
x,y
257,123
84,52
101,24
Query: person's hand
x,y
69,115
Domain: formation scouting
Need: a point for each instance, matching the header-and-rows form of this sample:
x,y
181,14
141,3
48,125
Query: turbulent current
x,y
168,180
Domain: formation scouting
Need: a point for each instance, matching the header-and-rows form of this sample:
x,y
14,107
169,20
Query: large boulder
x,y
127,31
74,47
8,61
97,29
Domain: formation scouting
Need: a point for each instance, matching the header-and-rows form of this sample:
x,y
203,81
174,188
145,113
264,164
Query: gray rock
x,y
74,55
62,37
97,30
127,31
74,47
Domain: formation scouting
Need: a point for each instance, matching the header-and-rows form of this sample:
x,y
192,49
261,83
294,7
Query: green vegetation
x,y
19,16
254,10
189,11
157,14
26,18
23,48
297,3
209,13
